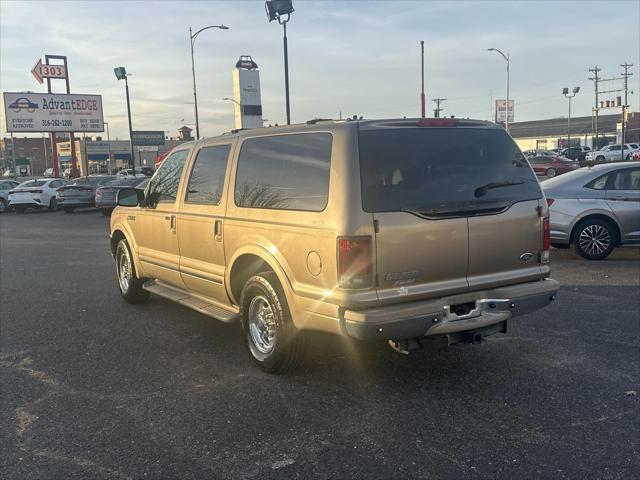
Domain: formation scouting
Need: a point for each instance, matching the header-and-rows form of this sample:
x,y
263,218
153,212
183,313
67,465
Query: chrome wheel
x,y
124,269
262,324
594,240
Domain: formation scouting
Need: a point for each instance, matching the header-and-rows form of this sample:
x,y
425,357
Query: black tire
x,y
68,209
53,204
131,289
106,212
20,208
282,349
599,158
3,205
594,238
560,246
551,172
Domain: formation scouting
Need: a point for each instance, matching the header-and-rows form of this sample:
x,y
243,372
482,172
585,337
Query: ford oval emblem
x,y
525,257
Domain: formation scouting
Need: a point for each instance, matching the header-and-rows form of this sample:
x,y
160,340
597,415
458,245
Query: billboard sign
x,y
147,138
52,112
501,107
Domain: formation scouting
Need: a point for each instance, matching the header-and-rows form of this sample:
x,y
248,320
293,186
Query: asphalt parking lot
x,y
95,388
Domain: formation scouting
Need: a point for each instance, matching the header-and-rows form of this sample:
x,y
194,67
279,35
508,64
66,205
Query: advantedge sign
x,y
52,112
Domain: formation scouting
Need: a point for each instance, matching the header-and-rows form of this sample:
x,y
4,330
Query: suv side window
x,y
286,172
163,186
207,177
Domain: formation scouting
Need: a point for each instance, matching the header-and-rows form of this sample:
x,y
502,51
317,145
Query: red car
x,y
547,166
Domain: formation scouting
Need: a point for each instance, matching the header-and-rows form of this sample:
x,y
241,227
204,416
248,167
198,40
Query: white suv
x,y
611,153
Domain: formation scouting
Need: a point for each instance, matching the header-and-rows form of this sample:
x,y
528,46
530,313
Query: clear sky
x,y
358,57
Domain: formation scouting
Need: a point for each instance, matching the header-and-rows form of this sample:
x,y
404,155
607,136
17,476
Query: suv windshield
x,y
443,171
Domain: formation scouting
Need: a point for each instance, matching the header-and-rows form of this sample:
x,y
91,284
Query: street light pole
x,y
506,58
133,158
192,38
565,92
281,10
109,147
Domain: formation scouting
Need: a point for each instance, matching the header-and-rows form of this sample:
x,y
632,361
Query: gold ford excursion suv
x,y
403,230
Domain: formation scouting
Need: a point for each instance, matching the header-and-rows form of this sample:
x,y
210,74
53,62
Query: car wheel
x,y
128,282
594,239
68,209
271,338
551,172
53,204
599,158
20,209
3,205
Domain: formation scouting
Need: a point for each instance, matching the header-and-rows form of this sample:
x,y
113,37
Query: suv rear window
x,y
443,171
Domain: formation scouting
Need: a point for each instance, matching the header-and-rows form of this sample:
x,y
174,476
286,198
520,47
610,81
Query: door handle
x,y
217,230
173,223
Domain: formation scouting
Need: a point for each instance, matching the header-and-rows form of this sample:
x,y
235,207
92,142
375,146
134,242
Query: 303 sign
x,y
41,71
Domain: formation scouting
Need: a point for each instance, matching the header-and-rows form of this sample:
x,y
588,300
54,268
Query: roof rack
x,y
313,121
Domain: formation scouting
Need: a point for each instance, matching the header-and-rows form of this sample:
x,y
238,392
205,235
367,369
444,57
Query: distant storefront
x,y
552,133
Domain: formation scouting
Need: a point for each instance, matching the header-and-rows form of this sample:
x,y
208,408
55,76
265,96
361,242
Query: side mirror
x,y
129,197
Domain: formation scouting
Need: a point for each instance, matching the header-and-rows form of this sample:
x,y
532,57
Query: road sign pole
x,y
54,150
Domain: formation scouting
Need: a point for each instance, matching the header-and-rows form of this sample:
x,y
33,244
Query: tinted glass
x,y
597,184
287,172
207,177
163,186
442,170
32,183
126,182
624,179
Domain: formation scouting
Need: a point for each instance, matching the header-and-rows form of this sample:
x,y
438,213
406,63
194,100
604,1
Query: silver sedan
x,y
595,209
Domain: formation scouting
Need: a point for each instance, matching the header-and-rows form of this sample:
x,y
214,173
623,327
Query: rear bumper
x,y
433,318
75,202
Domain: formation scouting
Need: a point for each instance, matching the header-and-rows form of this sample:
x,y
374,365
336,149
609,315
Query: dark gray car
x,y
106,194
595,209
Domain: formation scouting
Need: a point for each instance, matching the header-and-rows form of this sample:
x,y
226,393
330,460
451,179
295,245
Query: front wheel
x,y
551,172
600,159
594,239
3,205
271,338
128,281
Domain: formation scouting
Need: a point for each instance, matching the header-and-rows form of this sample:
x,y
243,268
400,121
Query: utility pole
x,y
626,76
437,110
422,112
595,70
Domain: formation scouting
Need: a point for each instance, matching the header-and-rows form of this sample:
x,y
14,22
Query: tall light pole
x,y
109,147
121,74
506,58
565,92
281,10
192,39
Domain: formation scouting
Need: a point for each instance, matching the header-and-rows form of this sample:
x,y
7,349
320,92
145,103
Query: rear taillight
x,y
546,235
550,201
354,262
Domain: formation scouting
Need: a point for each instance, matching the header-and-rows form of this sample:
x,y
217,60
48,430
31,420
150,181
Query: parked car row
x,y
58,193
613,153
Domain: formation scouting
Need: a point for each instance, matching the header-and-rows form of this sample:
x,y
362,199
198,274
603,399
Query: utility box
x,y
246,93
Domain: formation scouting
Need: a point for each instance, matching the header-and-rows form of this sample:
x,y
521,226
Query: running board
x,y
189,300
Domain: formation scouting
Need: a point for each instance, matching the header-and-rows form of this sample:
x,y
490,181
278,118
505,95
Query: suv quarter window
x,y
284,172
163,186
206,182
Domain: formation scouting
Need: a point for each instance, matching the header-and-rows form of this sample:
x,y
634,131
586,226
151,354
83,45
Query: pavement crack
x,y
24,420
84,463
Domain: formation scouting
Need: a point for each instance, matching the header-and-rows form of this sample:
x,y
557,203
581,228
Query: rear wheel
x,y
551,172
594,239
68,209
128,281
271,338
3,205
53,204
599,158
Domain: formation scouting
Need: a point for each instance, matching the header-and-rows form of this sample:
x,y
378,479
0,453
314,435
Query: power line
x,y
437,110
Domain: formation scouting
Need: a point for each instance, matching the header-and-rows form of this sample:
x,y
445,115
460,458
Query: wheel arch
x,y
118,233
248,262
600,216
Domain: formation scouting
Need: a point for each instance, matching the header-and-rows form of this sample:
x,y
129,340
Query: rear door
x,y
623,198
201,222
453,206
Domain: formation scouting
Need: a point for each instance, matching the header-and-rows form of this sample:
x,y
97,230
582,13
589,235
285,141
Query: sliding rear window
x,y
437,168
